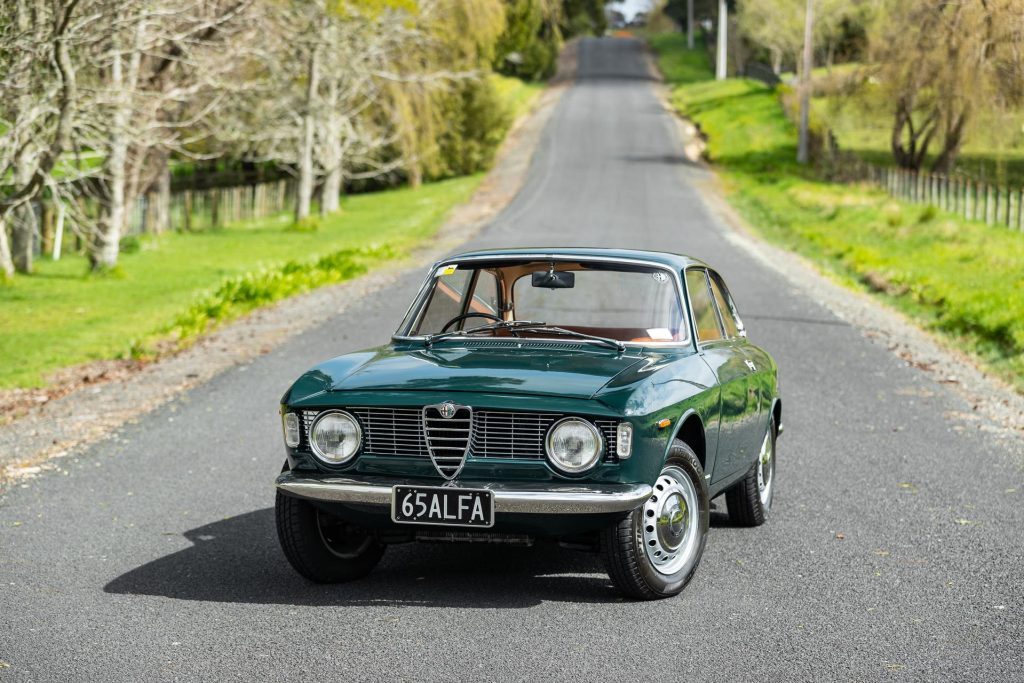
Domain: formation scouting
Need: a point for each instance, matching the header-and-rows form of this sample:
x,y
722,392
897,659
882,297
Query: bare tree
x,y
38,101
161,69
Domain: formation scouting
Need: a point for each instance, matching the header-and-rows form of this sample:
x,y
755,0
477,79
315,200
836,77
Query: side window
x,y
485,295
725,306
705,317
445,301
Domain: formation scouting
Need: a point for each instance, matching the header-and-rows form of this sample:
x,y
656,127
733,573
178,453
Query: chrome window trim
x,y
691,339
707,284
714,277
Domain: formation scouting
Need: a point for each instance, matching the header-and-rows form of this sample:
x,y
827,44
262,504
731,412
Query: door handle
x,y
753,368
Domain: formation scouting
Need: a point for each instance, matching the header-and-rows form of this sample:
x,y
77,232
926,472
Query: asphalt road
x,y
893,551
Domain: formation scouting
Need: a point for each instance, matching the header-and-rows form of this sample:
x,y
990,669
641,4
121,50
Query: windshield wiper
x,y
541,327
511,325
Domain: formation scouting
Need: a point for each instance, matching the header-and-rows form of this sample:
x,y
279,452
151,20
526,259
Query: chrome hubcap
x,y
339,538
766,470
671,521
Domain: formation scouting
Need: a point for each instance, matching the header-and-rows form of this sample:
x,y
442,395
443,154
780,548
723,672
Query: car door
x,y
725,356
758,365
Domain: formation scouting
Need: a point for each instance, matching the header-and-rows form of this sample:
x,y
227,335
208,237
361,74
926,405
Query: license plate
x,y
442,505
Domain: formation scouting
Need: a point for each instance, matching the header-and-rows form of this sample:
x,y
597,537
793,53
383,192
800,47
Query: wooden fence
x,y
200,209
974,200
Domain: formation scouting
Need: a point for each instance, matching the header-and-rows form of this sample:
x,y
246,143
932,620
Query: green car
x,y
601,398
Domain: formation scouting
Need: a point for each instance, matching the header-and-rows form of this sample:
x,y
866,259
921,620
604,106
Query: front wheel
x,y
322,547
654,551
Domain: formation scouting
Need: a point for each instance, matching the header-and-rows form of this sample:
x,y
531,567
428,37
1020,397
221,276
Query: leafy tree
x,y
938,63
778,26
532,38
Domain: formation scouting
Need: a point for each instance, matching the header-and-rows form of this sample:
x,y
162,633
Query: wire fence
x,y
973,200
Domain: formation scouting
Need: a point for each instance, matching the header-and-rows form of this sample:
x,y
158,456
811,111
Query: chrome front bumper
x,y
511,497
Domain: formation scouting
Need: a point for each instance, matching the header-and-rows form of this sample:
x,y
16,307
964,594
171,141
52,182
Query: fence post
x,y
187,210
1020,209
1009,197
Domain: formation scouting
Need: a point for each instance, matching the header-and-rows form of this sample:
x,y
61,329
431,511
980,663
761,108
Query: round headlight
x,y
335,437
574,445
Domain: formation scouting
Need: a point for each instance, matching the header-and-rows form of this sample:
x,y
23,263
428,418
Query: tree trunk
x,y
911,152
6,264
951,145
330,202
163,202
305,194
332,152
23,219
777,62
103,250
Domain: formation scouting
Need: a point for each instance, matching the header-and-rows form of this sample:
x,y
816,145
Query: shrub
x,y
238,295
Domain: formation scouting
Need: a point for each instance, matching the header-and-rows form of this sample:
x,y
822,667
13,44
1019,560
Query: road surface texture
x,y
894,550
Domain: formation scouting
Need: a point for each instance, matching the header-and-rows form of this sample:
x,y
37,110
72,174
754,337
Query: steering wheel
x,y
471,314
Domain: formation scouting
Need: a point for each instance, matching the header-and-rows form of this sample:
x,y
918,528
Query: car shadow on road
x,y
665,159
238,560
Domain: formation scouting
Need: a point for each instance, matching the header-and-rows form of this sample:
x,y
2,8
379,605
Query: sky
x,y
631,7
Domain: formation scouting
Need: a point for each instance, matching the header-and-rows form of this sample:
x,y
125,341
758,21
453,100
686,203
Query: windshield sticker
x,y
659,276
446,270
660,333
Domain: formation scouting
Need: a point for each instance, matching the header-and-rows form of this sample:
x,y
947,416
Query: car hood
x,y
575,373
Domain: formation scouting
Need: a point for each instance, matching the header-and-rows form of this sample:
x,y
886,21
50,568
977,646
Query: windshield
x,y
624,302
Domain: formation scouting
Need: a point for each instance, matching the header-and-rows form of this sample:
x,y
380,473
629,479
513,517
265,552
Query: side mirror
x,y
549,279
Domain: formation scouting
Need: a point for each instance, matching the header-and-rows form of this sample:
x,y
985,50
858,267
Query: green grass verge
x,y
961,278
181,283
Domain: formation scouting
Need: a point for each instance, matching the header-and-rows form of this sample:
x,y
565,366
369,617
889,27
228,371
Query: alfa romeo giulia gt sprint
x,y
601,398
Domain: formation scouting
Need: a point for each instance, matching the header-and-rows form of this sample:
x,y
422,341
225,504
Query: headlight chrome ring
x,y
335,437
574,445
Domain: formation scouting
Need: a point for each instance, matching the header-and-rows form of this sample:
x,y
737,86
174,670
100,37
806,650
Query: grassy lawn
x,y
60,317
961,278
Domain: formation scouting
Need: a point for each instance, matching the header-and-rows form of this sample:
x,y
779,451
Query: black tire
x,y
628,564
744,499
321,547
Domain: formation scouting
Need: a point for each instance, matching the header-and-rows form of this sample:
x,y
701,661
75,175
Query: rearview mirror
x,y
550,279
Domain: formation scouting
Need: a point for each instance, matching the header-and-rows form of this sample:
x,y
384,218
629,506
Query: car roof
x,y
675,261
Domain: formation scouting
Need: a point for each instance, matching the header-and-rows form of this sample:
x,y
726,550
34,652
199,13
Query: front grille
x,y
501,434
608,431
490,433
448,437
392,431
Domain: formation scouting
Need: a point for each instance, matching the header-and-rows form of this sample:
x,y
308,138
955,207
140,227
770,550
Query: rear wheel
x,y
654,551
322,547
750,499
